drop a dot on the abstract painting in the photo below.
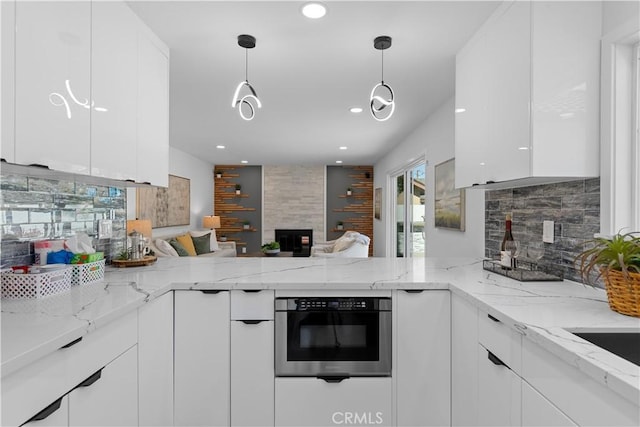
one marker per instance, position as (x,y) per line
(165,207)
(449,202)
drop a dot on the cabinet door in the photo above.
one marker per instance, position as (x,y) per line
(314,402)
(7,75)
(55,415)
(155,362)
(52,84)
(114,86)
(422,360)
(499,392)
(464,362)
(252,373)
(471,114)
(153,110)
(111,399)
(538,411)
(201,378)
(509,60)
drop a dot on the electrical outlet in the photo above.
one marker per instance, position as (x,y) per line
(244,250)
(105,229)
(547,231)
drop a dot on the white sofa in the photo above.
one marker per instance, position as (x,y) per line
(220,249)
(350,245)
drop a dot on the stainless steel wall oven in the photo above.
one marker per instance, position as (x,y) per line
(333,338)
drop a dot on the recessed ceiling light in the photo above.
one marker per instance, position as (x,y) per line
(220,147)
(338,161)
(314,10)
(523,148)
(460,110)
(244,162)
(355,110)
(343,147)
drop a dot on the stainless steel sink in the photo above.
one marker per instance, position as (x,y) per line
(622,344)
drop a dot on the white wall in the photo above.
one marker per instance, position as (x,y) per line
(616,13)
(434,139)
(201,175)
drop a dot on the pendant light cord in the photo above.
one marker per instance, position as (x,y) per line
(246,64)
(382,65)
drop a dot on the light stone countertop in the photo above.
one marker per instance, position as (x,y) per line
(540,311)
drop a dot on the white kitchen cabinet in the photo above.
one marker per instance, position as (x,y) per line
(54,415)
(315,402)
(153,110)
(464,362)
(499,391)
(7,75)
(201,358)
(536,120)
(52,85)
(422,334)
(537,411)
(109,397)
(252,372)
(114,85)
(155,362)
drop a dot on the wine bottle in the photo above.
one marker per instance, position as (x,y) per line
(505,256)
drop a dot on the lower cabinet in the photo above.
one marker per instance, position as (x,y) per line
(464,362)
(109,397)
(201,358)
(499,391)
(538,411)
(315,402)
(422,358)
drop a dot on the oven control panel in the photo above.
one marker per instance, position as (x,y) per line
(329,304)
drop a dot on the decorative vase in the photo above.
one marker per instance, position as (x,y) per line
(271,252)
(238,192)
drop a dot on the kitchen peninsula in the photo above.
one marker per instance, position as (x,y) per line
(538,315)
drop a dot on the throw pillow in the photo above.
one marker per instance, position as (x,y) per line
(343,243)
(202,244)
(164,248)
(178,247)
(214,242)
(186,241)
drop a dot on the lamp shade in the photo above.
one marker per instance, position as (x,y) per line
(211,221)
(141,226)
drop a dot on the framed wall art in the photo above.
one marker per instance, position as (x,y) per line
(449,201)
(377,203)
(165,207)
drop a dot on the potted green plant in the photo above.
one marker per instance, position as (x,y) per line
(218,174)
(339,225)
(349,191)
(246,224)
(271,248)
(223,238)
(238,188)
(617,262)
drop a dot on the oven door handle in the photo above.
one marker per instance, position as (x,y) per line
(333,378)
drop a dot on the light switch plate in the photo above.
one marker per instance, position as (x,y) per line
(105,230)
(547,231)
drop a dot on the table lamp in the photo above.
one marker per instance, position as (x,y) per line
(211,222)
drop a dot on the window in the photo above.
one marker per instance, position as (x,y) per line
(408,215)
(620,152)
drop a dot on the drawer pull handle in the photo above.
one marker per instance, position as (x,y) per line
(333,378)
(495,360)
(74,342)
(46,411)
(413,291)
(493,318)
(92,379)
(252,322)
(210,291)
(251,290)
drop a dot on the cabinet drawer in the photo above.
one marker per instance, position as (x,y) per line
(252,305)
(34,387)
(501,340)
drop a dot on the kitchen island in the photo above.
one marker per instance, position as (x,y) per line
(540,312)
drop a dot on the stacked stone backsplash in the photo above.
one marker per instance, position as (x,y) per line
(574,207)
(34,209)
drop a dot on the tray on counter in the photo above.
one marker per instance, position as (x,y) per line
(526,271)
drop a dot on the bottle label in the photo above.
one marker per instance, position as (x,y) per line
(505,259)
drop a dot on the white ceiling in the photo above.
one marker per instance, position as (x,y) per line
(307,73)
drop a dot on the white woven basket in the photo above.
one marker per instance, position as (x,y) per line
(85,274)
(36,285)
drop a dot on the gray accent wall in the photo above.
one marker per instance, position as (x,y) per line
(34,208)
(293,199)
(573,206)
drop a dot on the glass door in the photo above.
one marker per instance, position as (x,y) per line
(409,212)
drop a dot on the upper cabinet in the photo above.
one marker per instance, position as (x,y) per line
(527,103)
(91,90)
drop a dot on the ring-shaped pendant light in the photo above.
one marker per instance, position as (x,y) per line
(382,100)
(250,100)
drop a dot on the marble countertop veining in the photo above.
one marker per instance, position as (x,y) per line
(541,311)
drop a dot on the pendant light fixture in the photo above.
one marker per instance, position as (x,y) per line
(381,101)
(248,103)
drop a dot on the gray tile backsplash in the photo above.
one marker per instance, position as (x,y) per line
(574,207)
(34,209)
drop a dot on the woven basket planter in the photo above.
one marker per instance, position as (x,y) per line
(623,292)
